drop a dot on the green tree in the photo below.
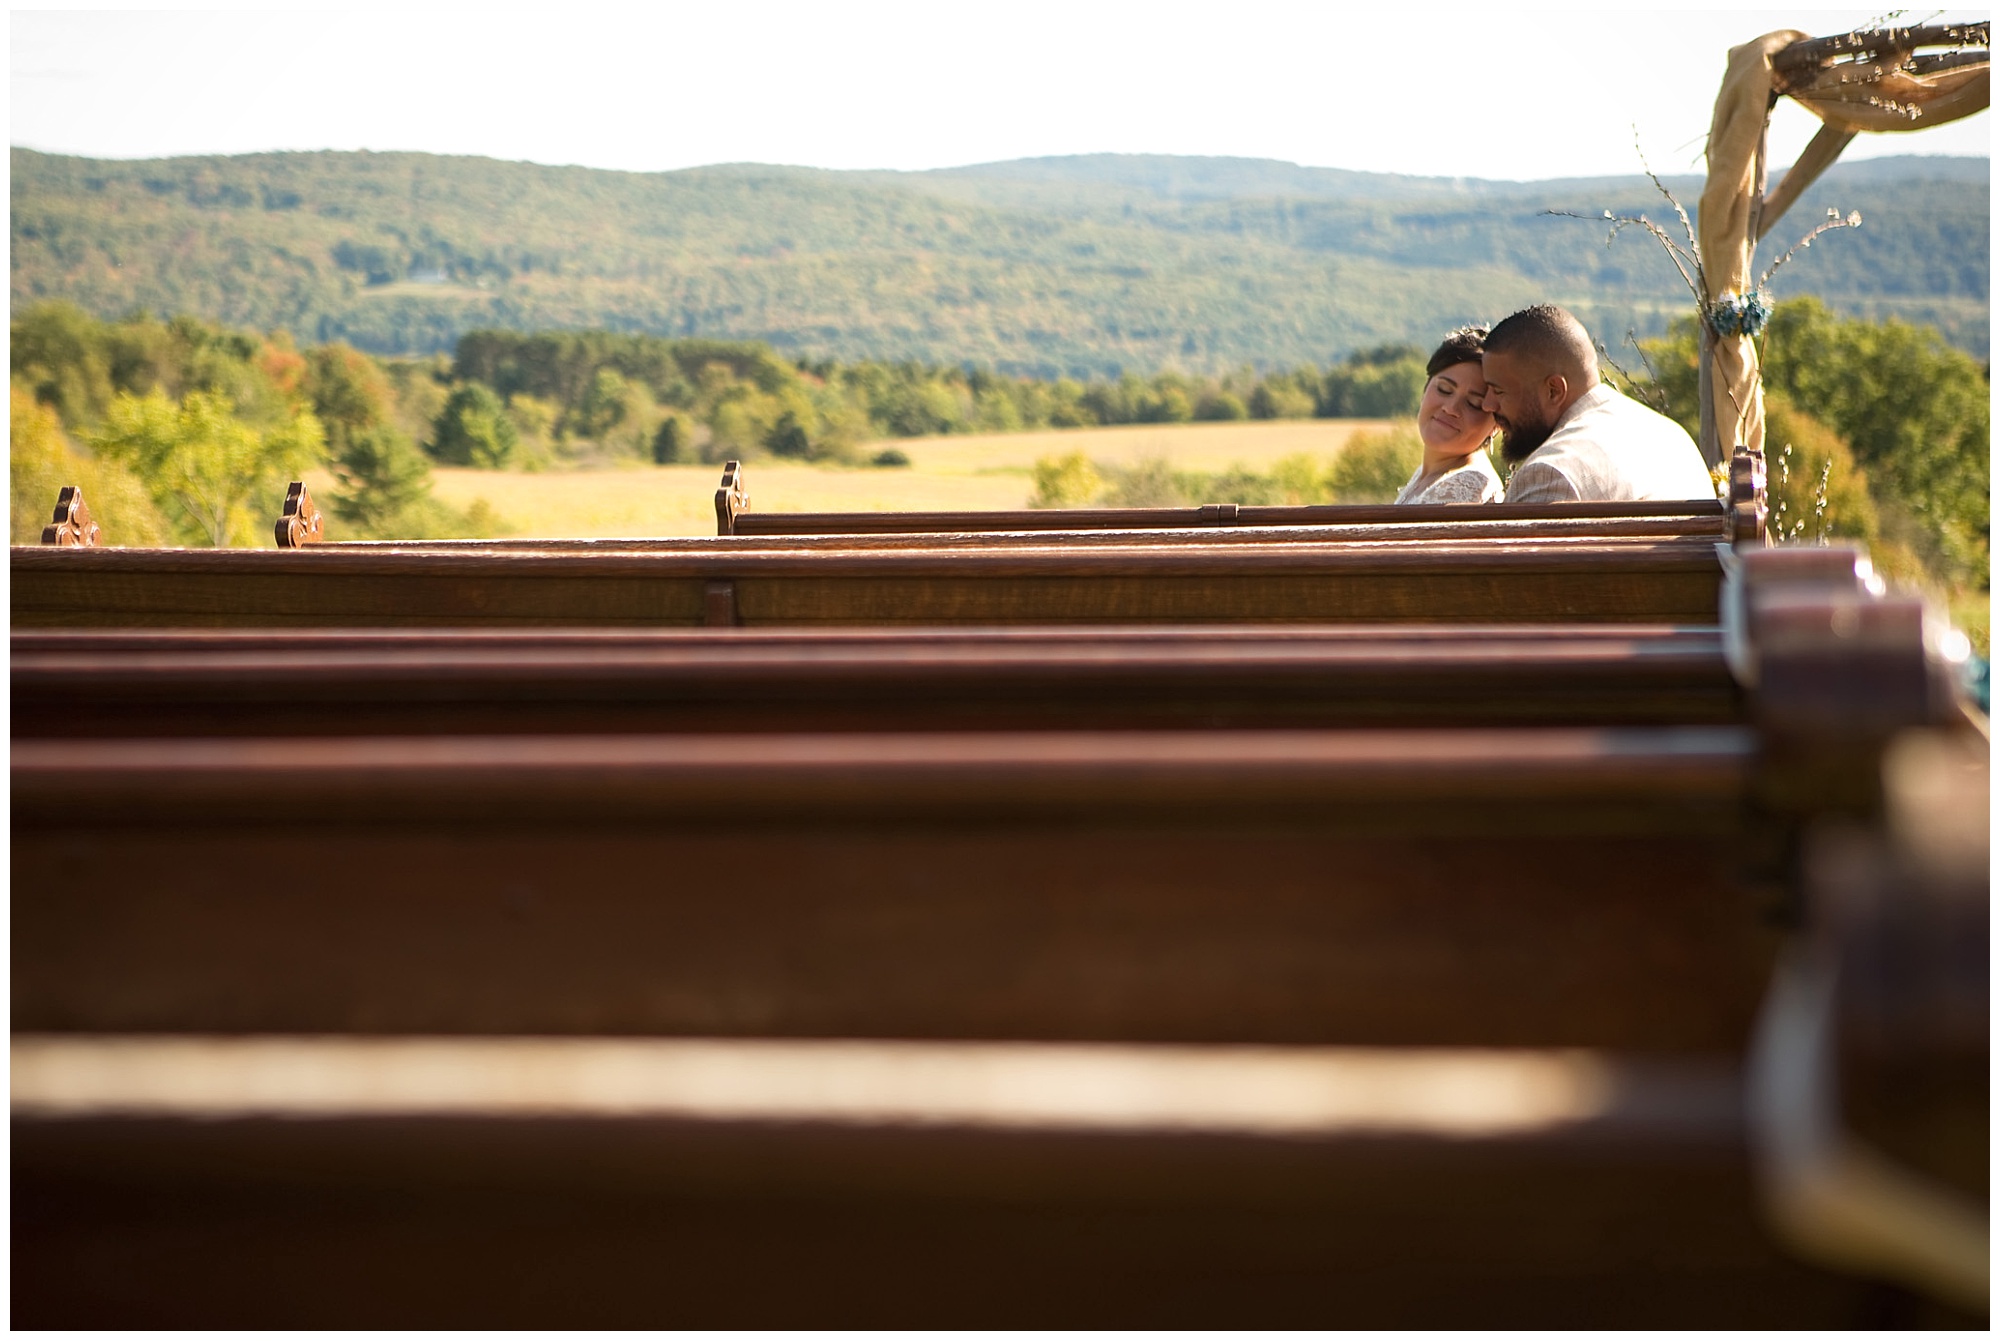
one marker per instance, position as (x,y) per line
(218,479)
(56,351)
(473,429)
(603,404)
(741,422)
(383,478)
(1222,405)
(788,438)
(1914,412)
(672,442)
(1280,399)
(1917,414)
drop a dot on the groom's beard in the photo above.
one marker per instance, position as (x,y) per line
(1518,441)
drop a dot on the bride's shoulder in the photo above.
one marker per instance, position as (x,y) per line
(1468,484)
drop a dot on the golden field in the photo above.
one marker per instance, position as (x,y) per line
(969,472)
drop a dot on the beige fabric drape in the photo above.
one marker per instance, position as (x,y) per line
(1939,98)
(1727,206)
(1729,214)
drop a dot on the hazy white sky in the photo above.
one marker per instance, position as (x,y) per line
(1455,90)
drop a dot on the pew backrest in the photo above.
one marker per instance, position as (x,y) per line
(1633,580)
(1741,516)
(448,681)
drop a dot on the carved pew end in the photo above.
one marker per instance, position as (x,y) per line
(1749,499)
(730,499)
(300,523)
(72,527)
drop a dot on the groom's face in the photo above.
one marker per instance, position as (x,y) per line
(1517,401)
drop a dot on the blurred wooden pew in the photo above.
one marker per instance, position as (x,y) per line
(997,1184)
(1397,1026)
(1379,886)
(78,683)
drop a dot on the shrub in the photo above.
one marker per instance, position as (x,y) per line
(1374,467)
(890,456)
(1299,479)
(1148,483)
(1064,482)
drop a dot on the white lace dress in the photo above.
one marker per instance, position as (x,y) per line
(1474,482)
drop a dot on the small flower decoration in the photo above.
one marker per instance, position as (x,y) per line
(1744,314)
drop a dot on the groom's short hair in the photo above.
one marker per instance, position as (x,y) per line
(1548,339)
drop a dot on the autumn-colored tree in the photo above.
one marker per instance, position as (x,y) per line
(280,361)
(348,392)
(41,459)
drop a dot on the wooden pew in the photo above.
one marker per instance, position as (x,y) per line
(474,681)
(893,836)
(1274,886)
(1742,517)
(239,1195)
(1741,520)
(1474,527)
(1354,904)
(1634,580)
(363,1179)
(1558,1190)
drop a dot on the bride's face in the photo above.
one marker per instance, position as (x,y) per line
(1450,418)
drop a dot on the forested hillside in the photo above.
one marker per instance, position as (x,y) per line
(1087,266)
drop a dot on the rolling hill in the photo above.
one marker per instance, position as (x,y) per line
(1087,265)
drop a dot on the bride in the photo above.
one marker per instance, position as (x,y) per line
(1454,427)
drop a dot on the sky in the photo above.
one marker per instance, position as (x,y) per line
(1440,90)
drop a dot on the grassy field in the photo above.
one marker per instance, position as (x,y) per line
(972,472)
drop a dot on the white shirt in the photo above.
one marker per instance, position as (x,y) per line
(1474,482)
(1608,447)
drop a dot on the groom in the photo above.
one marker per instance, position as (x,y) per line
(1572,438)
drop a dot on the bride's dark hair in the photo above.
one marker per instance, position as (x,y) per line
(1463,345)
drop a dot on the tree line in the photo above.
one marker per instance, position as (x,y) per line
(1877,430)
(205,418)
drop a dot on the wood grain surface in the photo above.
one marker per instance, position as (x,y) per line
(751,523)
(1673,581)
(1479,888)
(470,682)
